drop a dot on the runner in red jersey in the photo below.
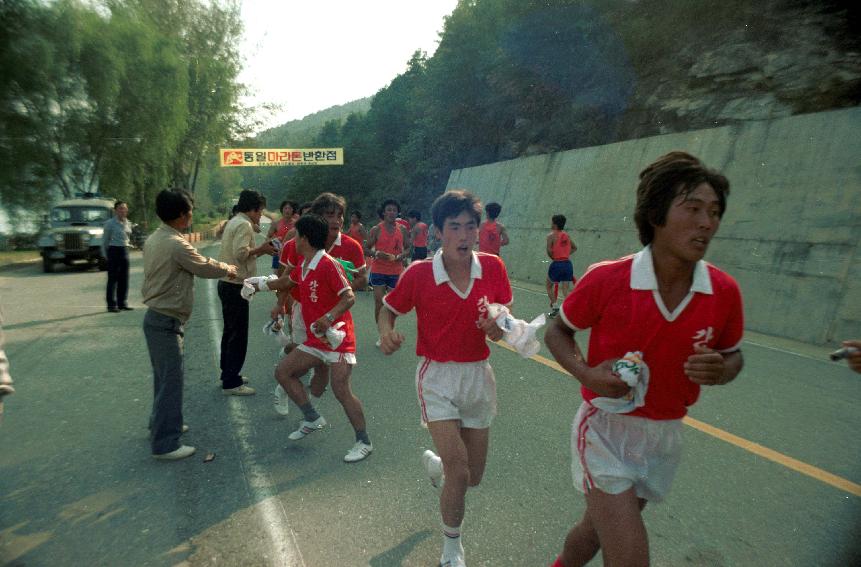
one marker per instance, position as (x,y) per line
(278,230)
(684,320)
(388,244)
(356,230)
(419,235)
(455,384)
(491,234)
(341,247)
(326,298)
(560,273)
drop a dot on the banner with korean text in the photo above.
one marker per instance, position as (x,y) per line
(255,157)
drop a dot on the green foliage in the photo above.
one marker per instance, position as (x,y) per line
(121,96)
(513,78)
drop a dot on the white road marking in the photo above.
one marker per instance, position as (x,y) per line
(282,539)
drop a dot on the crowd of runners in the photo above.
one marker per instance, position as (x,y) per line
(663,324)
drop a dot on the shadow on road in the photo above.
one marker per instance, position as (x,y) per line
(29,324)
(34,269)
(396,555)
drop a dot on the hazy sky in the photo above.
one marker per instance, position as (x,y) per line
(307,56)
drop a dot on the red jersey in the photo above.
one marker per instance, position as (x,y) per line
(619,301)
(448,318)
(284,226)
(489,239)
(403,222)
(421,235)
(391,243)
(343,248)
(355,232)
(561,248)
(320,286)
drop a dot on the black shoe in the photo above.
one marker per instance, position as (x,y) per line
(114,309)
(127,308)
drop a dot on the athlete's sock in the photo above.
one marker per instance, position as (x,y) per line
(309,412)
(362,435)
(451,545)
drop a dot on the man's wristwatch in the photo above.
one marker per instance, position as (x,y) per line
(330,318)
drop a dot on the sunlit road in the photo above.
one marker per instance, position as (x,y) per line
(78,485)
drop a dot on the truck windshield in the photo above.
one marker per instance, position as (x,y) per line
(80,214)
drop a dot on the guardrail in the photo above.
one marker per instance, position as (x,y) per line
(200,236)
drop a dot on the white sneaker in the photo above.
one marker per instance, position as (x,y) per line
(282,401)
(242,390)
(456,561)
(433,467)
(307,428)
(378,343)
(180,453)
(359,451)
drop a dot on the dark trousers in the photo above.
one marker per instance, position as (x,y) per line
(118,276)
(164,337)
(234,338)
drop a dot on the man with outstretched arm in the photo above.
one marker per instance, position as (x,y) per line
(170,264)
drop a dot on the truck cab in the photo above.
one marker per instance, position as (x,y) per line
(75,233)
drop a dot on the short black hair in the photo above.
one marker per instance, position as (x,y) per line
(452,203)
(358,214)
(118,204)
(385,204)
(676,173)
(414,215)
(325,202)
(559,221)
(250,200)
(170,204)
(493,210)
(293,205)
(314,228)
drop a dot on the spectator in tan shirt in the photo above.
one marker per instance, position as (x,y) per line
(237,248)
(170,264)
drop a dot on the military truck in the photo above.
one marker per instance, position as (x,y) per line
(75,233)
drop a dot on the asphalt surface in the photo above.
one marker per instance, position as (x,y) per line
(78,485)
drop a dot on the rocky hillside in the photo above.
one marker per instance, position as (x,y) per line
(768,60)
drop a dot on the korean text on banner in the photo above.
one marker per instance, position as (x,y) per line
(254,157)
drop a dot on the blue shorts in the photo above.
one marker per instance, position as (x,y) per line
(383,280)
(561,271)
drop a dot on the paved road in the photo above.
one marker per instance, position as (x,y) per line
(78,487)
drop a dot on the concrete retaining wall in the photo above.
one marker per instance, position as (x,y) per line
(790,235)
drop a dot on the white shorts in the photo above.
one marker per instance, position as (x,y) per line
(465,391)
(613,452)
(329,356)
(300,335)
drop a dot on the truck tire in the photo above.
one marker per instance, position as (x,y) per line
(103,264)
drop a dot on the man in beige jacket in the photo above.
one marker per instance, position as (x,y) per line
(170,264)
(237,248)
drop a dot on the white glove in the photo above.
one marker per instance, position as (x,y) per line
(519,334)
(334,335)
(250,286)
(260,282)
(275,328)
(634,371)
(247,292)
